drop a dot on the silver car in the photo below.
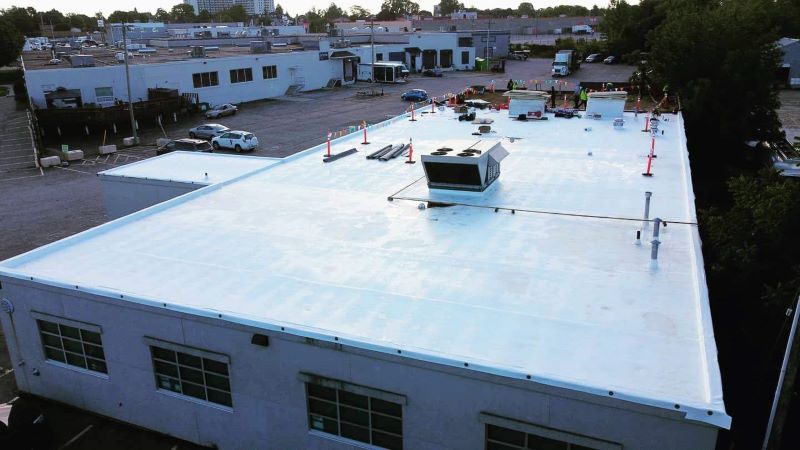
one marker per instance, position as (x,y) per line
(207,131)
(221,111)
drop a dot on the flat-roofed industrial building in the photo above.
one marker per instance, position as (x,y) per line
(363,303)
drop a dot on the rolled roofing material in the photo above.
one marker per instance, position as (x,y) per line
(611,95)
(527,95)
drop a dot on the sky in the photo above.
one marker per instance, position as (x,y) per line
(89,7)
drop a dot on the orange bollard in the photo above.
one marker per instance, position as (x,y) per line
(364,125)
(410,152)
(646,123)
(412,114)
(433,106)
(329,144)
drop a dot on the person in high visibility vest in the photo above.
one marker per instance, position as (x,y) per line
(584,98)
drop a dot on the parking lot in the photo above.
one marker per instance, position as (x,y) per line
(42,207)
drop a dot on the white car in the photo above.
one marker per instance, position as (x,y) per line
(237,140)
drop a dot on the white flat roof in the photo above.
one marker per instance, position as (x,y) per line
(556,290)
(191,167)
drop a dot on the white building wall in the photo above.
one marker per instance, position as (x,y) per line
(123,195)
(269,404)
(303,68)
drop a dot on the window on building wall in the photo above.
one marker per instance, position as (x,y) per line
(205,79)
(464,57)
(355,412)
(72,343)
(191,372)
(269,72)
(241,75)
(379,56)
(104,94)
(509,434)
(465,42)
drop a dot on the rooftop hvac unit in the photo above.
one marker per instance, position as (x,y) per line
(530,104)
(198,51)
(341,43)
(260,47)
(473,168)
(81,60)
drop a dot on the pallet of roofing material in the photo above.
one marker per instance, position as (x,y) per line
(377,154)
(610,104)
(532,104)
(333,158)
(396,151)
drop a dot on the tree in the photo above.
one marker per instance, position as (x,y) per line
(450,6)
(333,12)
(279,11)
(392,9)
(182,13)
(25,20)
(526,9)
(357,12)
(161,15)
(10,43)
(204,16)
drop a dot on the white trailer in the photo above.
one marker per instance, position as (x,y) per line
(383,72)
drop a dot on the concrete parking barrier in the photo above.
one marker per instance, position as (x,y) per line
(50,161)
(107,149)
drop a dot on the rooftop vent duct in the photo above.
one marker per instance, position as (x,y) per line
(464,169)
(198,51)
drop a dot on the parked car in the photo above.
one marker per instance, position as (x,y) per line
(415,95)
(54,61)
(187,145)
(223,110)
(237,140)
(435,72)
(519,55)
(594,57)
(207,131)
(610,60)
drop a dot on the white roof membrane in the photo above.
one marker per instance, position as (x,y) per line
(557,290)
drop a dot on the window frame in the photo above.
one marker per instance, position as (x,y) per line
(243,75)
(465,57)
(272,70)
(368,409)
(569,439)
(81,327)
(180,378)
(213,79)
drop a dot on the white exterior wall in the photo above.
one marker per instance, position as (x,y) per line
(293,68)
(303,68)
(123,195)
(269,404)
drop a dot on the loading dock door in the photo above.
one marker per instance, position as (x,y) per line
(445,58)
(428,59)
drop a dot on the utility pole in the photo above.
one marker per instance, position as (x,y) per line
(128,80)
(372,43)
(488,27)
(783,392)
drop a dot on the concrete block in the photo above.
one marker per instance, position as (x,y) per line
(162,141)
(74,155)
(50,161)
(128,141)
(107,149)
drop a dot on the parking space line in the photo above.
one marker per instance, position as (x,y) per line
(76,437)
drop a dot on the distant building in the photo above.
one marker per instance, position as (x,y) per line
(252,7)
(463,15)
(790,67)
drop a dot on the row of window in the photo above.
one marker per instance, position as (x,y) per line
(208,79)
(354,412)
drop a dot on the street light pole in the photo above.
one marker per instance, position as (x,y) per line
(372,43)
(128,80)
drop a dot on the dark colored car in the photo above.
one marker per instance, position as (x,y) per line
(415,95)
(186,145)
(436,72)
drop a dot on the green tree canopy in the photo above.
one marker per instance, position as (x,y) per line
(357,12)
(182,12)
(448,6)
(10,42)
(393,9)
